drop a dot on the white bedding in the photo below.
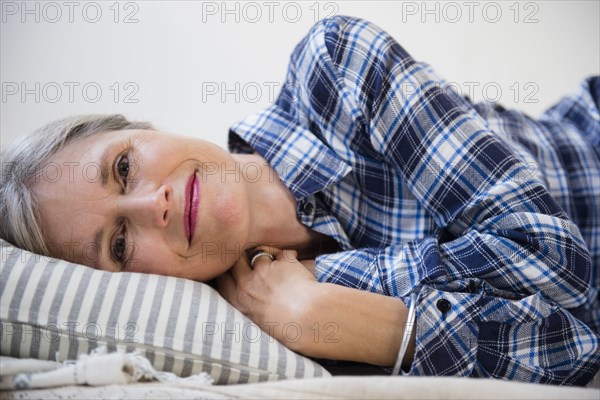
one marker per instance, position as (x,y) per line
(99,368)
(123,371)
(346,387)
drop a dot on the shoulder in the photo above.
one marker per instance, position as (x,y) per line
(344,26)
(341,32)
(344,45)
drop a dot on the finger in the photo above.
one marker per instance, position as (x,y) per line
(241,268)
(288,255)
(269,249)
(260,258)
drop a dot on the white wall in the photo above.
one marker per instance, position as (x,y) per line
(178,48)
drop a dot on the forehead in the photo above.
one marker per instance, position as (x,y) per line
(79,164)
(72,203)
(88,147)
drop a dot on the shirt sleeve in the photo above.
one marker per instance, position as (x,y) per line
(496,284)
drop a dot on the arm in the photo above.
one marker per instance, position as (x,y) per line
(279,293)
(371,333)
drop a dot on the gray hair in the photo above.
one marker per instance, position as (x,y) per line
(24,159)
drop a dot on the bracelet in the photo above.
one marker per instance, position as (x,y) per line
(407,333)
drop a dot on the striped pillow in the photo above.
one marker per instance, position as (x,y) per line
(54,310)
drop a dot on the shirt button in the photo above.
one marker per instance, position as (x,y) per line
(308,208)
(472,288)
(443,305)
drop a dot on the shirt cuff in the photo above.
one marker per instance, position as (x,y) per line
(447,333)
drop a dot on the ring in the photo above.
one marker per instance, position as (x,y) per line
(258,254)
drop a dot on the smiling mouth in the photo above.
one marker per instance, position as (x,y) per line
(192,197)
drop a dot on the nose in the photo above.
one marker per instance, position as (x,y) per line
(152,207)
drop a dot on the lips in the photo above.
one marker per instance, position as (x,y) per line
(192,202)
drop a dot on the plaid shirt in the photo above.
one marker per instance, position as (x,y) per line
(490,217)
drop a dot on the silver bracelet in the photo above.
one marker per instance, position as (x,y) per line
(407,333)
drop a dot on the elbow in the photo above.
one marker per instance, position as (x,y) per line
(561,259)
(572,267)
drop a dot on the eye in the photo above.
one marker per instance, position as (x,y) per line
(123,167)
(119,249)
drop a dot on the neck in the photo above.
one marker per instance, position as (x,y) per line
(273,218)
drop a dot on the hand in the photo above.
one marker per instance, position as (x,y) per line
(274,293)
(337,322)
(309,265)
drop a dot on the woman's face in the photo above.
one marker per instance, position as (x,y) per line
(126,201)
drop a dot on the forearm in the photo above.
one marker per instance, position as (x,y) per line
(354,325)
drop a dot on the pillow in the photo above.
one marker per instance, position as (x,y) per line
(55,310)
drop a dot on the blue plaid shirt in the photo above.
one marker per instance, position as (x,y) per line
(490,217)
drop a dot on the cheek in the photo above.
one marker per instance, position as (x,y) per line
(154,257)
(230,207)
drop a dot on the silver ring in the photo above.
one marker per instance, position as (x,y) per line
(258,254)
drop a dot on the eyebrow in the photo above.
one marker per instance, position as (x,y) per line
(98,241)
(105,166)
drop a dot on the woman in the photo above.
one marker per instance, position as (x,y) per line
(414,228)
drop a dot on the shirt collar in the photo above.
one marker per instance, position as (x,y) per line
(303,162)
